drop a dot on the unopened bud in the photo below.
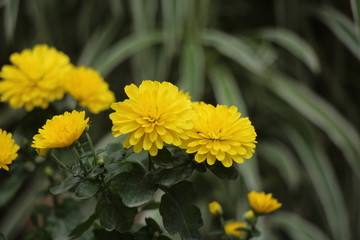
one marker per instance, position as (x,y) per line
(249,216)
(49,171)
(215,208)
(100,161)
(43,151)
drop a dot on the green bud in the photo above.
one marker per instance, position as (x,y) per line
(100,161)
(49,171)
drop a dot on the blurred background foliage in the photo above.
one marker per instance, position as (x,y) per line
(292,66)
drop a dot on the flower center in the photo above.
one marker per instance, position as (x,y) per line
(151,120)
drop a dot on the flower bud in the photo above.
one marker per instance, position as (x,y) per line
(215,208)
(249,216)
(43,152)
(49,171)
(100,161)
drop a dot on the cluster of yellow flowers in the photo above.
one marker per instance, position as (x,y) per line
(41,75)
(260,204)
(158,113)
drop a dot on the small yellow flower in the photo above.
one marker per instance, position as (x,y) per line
(263,203)
(35,78)
(215,208)
(231,228)
(61,131)
(89,89)
(8,149)
(155,113)
(220,134)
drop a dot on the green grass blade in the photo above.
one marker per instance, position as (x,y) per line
(295,45)
(322,114)
(296,227)
(323,178)
(192,71)
(355,7)
(10,19)
(123,49)
(235,49)
(228,93)
(342,27)
(281,158)
(98,42)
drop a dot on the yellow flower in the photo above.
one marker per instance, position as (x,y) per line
(155,113)
(89,89)
(263,203)
(35,78)
(232,226)
(215,208)
(8,149)
(61,131)
(219,133)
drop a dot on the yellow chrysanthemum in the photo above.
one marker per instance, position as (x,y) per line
(231,228)
(215,208)
(35,78)
(155,113)
(61,131)
(8,149)
(89,89)
(219,133)
(263,203)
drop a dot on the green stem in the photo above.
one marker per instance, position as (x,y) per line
(83,167)
(57,160)
(80,147)
(90,144)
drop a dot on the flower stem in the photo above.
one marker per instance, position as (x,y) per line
(90,144)
(57,160)
(83,167)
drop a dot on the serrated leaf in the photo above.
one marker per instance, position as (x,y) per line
(114,152)
(168,177)
(163,159)
(113,214)
(138,193)
(179,214)
(87,189)
(82,227)
(65,185)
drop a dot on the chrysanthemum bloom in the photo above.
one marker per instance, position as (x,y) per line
(8,149)
(219,133)
(155,113)
(263,203)
(61,131)
(35,78)
(231,228)
(89,89)
(215,208)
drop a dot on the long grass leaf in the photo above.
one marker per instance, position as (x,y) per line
(294,44)
(10,19)
(192,71)
(123,49)
(322,114)
(281,158)
(355,7)
(296,227)
(323,178)
(342,27)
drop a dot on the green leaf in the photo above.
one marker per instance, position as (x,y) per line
(114,152)
(342,27)
(323,178)
(113,214)
(168,177)
(10,185)
(355,7)
(149,231)
(87,189)
(178,213)
(294,44)
(65,185)
(112,235)
(224,173)
(140,193)
(123,49)
(2,237)
(296,227)
(192,71)
(10,19)
(82,227)
(163,159)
